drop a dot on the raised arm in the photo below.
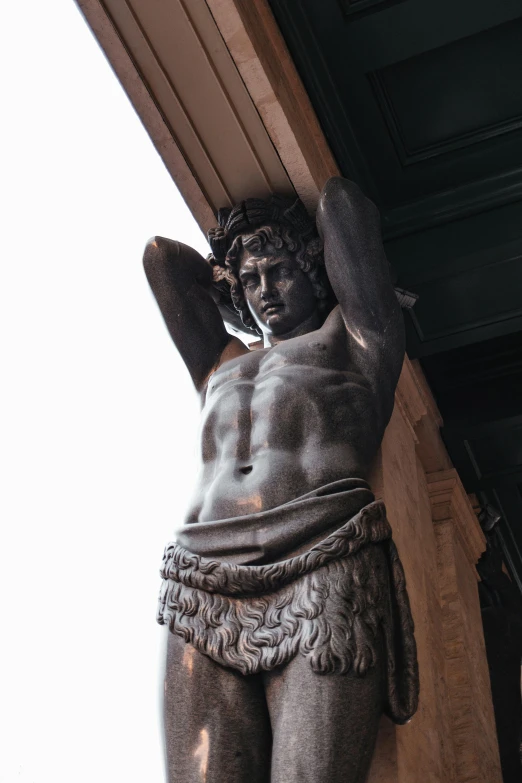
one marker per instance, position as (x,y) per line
(359,274)
(181,280)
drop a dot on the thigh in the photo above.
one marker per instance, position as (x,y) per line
(324,725)
(216,721)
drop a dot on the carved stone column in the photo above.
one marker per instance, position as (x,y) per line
(452,738)
(460,542)
(421,750)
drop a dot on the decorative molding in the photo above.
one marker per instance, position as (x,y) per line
(409,216)
(426,393)
(262,58)
(414,396)
(150,114)
(263,135)
(409,157)
(454,204)
(320,86)
(355,9)
(468,278)
(449,501)
(475,334)
(465,671)
(176,56)
(409,397)
(415,402)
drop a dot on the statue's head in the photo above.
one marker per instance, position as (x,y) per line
(268,261)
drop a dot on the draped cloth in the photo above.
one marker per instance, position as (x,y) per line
(319,576)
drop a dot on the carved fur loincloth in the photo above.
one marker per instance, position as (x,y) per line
(340,603)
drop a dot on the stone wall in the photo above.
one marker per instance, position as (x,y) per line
(452,738)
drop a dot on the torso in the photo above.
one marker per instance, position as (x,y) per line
(280,422)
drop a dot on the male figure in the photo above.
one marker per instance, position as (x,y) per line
(280,591)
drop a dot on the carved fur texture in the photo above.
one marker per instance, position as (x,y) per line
(342,604)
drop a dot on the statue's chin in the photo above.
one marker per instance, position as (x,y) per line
(277,323)
(275,319)
(271,323)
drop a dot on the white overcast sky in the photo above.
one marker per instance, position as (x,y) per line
(98,415)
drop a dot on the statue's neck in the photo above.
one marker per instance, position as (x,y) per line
(312,323)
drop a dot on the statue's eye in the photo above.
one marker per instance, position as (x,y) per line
(284,271)
(250,281)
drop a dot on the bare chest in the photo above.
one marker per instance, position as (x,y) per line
(301,390)
(303,360)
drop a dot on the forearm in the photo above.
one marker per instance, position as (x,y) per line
(181,280)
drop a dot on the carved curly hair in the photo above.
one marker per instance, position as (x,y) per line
(307,253)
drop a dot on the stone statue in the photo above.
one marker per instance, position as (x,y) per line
(291,627)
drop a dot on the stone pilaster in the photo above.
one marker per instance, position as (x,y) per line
(460,542)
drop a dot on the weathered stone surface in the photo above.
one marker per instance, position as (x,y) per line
(452,738)
(459,539)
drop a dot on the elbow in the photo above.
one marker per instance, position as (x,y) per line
(341,189)
(338,202)
(165,259)
(343,203)
(152,253)
(156,262)
(157,253)
(153,250)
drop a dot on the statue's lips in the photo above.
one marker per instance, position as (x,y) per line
(272,308)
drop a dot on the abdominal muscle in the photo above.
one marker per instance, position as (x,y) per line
(271,439)
(273,478)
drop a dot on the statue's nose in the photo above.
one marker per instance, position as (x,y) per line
(266,289)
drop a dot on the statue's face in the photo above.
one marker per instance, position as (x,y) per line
(279,294)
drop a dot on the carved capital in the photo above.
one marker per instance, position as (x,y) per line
(409,396)
(414,398)
(449,502)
